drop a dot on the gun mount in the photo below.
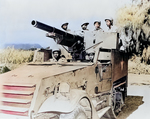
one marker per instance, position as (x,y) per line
(74,42)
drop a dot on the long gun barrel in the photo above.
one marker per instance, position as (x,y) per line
(66,39)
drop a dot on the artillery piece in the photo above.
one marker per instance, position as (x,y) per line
(74,42)
(69,90)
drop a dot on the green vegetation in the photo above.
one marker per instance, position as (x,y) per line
(12,58)
(134,22)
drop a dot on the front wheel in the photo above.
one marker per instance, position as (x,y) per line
(82,111)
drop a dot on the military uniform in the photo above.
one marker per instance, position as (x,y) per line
(98,28)
(112,29)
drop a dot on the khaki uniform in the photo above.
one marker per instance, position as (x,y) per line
(99,29)
(113,29)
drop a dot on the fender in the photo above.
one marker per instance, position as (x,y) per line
(54,104)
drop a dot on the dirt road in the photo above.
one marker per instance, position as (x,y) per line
(138,100)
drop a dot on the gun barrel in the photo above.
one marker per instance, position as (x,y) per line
(47,28)
(68,39)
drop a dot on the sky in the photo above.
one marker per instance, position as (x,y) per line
(16,17)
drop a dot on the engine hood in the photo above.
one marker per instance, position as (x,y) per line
(34,72)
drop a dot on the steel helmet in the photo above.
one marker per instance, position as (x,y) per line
(85,23)
(97,22)
(57,50)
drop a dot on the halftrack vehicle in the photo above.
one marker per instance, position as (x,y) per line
(77,89)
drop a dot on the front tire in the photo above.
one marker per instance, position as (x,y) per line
(82,111)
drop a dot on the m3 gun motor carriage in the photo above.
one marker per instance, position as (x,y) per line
(78,89)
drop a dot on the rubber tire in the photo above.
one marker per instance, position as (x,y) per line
(78,113)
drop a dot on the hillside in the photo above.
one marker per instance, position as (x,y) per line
(22,46)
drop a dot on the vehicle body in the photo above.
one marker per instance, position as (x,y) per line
(79,89)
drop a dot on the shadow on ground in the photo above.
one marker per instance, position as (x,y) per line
(131,104)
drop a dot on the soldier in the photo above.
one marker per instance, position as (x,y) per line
(65,27)
(91,56)
(109,23)
(84,26)
(97,25)
(57,56)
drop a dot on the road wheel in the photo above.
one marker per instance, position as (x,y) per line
(112,103)
(116,101)
(113,99)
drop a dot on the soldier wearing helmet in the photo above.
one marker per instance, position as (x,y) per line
(57,56)
(84,29)
(109,23)
(84,26)
(97,25)
(90,56)
(64,26)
